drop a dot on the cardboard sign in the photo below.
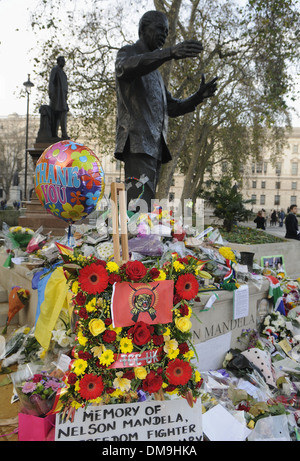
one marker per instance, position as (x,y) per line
(139,421)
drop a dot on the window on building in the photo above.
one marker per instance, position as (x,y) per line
(259,167)
(295,149)
(294,185)
(253,168)
(173,182)
(253,198)
(253,184)
(278,168)
(171,196)
(1,193)
(293,199)
(294,168)
(263,184)
(262,199)
(277,185)
(265,167)
(277,200)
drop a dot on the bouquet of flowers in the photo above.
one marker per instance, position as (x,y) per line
(37,393)
(277,327)
(130,363)
(19,236)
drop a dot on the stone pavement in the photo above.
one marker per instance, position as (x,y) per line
(273,230)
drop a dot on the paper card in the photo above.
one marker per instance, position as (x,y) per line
(241,302)
(211,353)
(220,426)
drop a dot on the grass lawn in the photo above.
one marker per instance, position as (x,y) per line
(248,236)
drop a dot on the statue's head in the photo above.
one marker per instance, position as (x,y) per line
(61,61)
(153,29)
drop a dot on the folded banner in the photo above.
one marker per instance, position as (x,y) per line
(148,302)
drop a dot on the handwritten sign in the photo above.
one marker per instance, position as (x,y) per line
(140,421)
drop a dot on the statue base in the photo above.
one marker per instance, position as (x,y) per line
(35,214)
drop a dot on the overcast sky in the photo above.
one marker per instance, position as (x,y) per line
(16,41)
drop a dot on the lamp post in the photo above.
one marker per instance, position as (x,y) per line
(28,85)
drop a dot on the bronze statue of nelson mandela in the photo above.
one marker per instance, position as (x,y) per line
(144,104)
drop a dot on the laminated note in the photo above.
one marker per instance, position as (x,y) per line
(241,302)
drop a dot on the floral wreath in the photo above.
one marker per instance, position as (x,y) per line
(92,378)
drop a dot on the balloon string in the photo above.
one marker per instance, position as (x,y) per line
(69,235)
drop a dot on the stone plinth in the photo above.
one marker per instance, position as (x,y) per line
(35,214)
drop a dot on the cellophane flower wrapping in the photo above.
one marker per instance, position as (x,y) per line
(36,390)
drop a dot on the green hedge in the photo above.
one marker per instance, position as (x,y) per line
(10,217)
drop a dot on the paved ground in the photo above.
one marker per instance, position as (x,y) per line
(274,230)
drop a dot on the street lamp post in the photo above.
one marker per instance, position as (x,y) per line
(28,85)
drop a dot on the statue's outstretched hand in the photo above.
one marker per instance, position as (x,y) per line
(186,49)
(206,90)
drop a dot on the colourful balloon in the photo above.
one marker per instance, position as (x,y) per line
(69,181)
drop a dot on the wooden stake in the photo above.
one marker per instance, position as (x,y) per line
(118,192)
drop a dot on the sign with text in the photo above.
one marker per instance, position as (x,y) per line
(139,421)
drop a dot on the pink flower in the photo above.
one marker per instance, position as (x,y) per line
(28,388)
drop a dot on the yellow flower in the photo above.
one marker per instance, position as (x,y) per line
(140,372)
(107,357)
(75,287)
(227,253)
(79,366)
(167,332)
(197,376)
(183,324)
(178,266)
(172,353)
(98,350)
(170,344)
(126,345)
(75,404)
(91,305)
(162,275)
(81,339)
(123,384)
(189,355)
(112,267)
(96,326)
(117,329)
(251,424)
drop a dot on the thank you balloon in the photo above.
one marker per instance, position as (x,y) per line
(69,180)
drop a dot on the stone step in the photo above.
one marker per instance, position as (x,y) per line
(3,316)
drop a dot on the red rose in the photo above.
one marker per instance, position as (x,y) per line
(72,378)
(114,278)
(129,374)
(152,382)
(84,355)
(184,310)
(100,262)
(135,270)
(37,378)
(158,340)
(141,334)
(80,298)
(109,336)
(183,348)
(154,273)
(83,313)
(108,322)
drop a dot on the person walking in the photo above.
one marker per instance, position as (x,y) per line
(260,221)
(281,217)
(273,218)
(291,224)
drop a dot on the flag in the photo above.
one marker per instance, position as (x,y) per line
(230,274)
(151,303)
(64,250)
(275,292)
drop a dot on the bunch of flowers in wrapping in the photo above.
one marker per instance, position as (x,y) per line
(19,236)
(93,377)
(37,393)
(277,327)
